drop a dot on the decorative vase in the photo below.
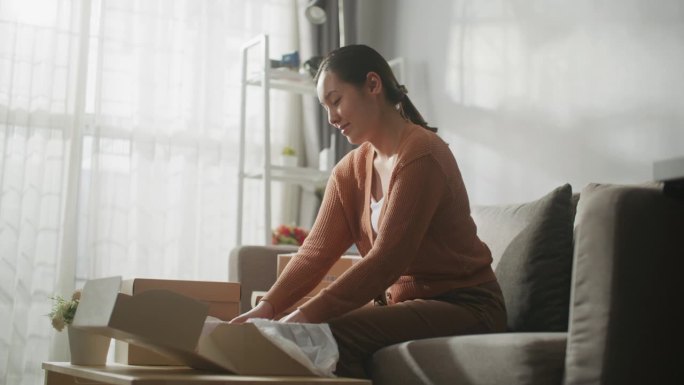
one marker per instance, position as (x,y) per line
(87,348)
(289,160)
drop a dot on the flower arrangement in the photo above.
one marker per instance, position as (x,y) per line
(288,235)
(63,311)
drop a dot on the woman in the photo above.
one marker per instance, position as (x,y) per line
(400,198)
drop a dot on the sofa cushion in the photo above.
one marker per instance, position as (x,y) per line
(507,358)
(531,244)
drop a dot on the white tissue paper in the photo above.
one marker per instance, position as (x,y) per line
(312,345)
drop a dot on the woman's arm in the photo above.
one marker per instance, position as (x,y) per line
(329,238)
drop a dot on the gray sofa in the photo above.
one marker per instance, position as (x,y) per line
(591,283)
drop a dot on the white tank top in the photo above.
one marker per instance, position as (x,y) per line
(375,212)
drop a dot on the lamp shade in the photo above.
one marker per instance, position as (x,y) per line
(315,14)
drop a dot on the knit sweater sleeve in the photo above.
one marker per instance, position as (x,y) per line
(328,239)
(414,194)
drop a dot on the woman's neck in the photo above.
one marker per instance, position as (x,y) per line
(390,133)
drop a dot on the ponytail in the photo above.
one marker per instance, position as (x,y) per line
(410,112)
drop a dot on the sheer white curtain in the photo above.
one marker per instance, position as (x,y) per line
(40,63)
(118,149)
(160,153)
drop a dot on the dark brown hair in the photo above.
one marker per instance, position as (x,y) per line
(352,63)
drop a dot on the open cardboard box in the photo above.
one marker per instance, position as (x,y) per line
(171,324)
(223,299)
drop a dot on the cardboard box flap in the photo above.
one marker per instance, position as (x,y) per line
(248,352)
(156,317)
(223,299)
(97,302)
(174,319)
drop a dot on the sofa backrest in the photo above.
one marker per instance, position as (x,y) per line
(255,268)
(625,326)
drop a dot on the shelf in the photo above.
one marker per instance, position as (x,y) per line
(286,80)
(294,175)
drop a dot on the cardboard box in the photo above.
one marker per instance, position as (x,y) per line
(172,324)
(342,264)
(223,299)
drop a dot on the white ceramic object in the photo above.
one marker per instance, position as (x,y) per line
(289,160)
(87,348)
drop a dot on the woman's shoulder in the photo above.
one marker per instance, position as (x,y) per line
(430,153)
(353,163)
(421,142)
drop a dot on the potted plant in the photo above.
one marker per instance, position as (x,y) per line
(63,311)
(289,156)
(86,348)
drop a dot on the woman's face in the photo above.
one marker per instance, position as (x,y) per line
(351,109)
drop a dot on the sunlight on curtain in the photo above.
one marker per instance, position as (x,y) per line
(160,155)
(38,75)
(158,123)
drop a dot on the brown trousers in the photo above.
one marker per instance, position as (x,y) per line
(362,332)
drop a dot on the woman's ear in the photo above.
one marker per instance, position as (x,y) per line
(373,83)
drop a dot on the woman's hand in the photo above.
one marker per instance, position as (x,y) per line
(296,317)
(263,310)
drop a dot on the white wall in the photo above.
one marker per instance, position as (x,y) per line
(533,94)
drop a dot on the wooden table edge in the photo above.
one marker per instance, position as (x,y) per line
(166,373)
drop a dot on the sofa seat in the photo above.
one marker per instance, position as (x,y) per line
(505,358)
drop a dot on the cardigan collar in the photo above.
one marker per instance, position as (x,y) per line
(366,217)
(404,153)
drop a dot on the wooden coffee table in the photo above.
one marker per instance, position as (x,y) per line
(63,373)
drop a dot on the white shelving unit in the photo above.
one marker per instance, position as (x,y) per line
(268,79)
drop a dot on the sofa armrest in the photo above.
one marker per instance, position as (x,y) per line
(625,326)
(254,267)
